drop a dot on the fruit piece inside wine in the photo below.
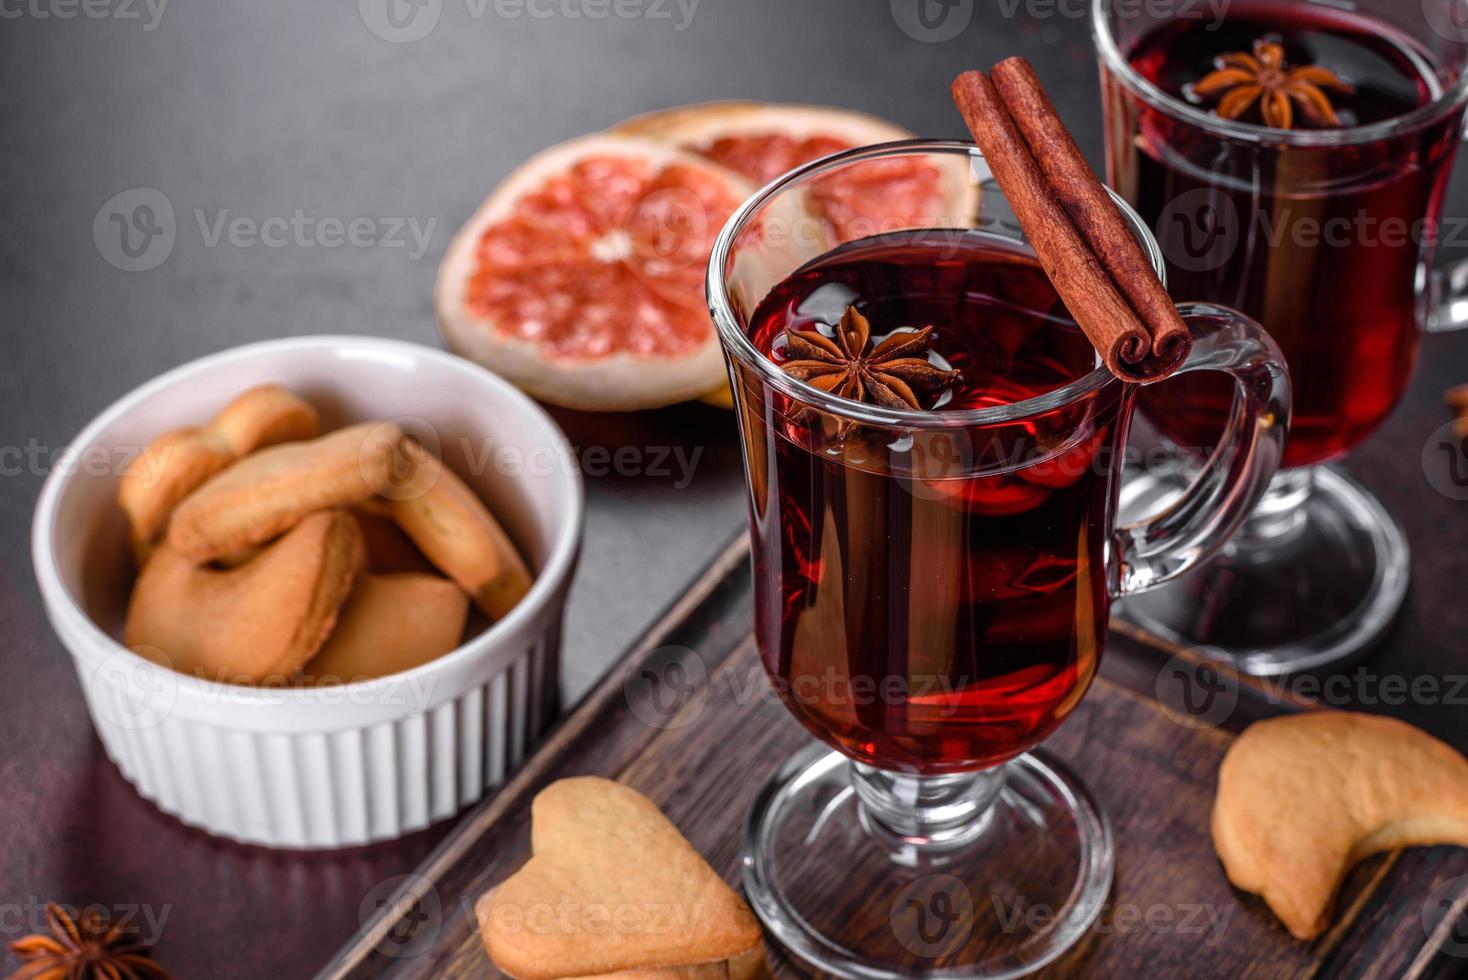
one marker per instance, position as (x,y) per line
(934,601)
(1320,244)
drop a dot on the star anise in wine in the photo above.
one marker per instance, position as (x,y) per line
(1243,79)
(894,374)
(89,947)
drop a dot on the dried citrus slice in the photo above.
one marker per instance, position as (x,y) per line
(580,278)
(764,140)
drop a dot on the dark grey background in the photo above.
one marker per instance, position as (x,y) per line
(258,110)
(261,108)
(255,110)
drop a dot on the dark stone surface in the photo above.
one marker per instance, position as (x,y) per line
(266,109)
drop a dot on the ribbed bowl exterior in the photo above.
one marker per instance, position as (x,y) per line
(333,788)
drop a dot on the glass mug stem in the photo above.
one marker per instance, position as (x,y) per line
(927,811)
(1281,515)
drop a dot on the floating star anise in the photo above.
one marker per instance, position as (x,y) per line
(896,374)
(1243,79)
(89,947)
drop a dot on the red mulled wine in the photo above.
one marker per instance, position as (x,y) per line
(942,594)
(1322,244)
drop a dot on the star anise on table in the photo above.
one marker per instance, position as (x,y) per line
(894,374)
(89,947)
(1243,79)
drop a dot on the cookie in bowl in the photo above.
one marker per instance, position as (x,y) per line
(257,738)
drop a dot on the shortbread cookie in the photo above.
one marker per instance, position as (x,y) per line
(641,898)
(264,416)
(749,965)
(391,623)
(451,525)
(160,476)
(389,549)
(1302,798)
(257,623)
(177,462)
(268,492)
(702,971)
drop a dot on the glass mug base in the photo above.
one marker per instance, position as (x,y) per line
(1016,867)
(1312,584)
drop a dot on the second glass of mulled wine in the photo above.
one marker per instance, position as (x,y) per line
(1291,158)
(933,454)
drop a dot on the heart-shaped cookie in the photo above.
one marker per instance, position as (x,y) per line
(177,462)
(450,524)
(268,492)
(1302,798)
(391,623)
(612,886)
(257,623)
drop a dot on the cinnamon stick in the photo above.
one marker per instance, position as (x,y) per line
(1092,209)
(1097,301)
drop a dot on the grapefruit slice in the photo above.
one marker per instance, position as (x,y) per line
(580,278)
(764,140)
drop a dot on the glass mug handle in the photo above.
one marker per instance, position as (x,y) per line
(1447,290)
(1447,298)
(1197,524)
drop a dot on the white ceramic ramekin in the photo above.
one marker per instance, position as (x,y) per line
(330,766)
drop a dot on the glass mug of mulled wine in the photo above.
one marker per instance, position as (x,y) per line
(935,549)
(1291,159)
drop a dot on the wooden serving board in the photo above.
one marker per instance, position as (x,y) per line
(1150,757)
